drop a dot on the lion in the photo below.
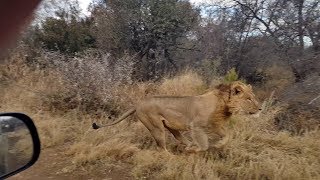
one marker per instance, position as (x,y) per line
(200,115)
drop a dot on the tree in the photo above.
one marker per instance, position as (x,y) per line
(287,22)
(312,23)
(149,28)
(65,31)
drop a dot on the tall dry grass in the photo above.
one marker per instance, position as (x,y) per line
(257,150)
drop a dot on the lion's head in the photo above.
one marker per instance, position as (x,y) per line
(241,99)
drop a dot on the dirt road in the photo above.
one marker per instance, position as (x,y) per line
(53,164)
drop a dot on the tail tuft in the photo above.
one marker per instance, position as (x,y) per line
(95,126)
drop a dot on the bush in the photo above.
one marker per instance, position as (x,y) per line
(185,84)
(278,77)
(231,76)
(302,111)
(298,118)
(209,69)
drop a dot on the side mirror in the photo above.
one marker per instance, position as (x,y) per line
(19,143)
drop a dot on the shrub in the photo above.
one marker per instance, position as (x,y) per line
(209,69)
(278,77)
(298,118)
(186,84)
(231,76)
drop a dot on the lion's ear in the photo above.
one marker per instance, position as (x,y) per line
(236,90)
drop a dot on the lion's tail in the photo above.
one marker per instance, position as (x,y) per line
(121,118)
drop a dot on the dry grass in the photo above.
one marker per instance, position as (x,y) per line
(256,151)
(185,84)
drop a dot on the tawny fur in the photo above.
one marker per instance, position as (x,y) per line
(201,115)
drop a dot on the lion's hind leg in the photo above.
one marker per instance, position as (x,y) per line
(160,137)
(155,127)
(178,136)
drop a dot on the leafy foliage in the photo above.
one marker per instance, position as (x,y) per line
(65,32)
(152,29)
(231,76)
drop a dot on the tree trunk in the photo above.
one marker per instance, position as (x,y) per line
(300,24)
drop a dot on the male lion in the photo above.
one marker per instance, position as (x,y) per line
(200,114)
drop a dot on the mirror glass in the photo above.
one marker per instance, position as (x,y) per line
(16,145)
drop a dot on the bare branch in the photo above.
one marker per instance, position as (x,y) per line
(314,99)
(255,15)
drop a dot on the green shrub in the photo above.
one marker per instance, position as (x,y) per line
(231,76)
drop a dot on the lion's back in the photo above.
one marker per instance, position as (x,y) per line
(160,103)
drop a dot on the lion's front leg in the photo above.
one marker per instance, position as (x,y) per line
(224,135)
(200,140)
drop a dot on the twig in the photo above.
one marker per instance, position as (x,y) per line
(267,103)
(314,99)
